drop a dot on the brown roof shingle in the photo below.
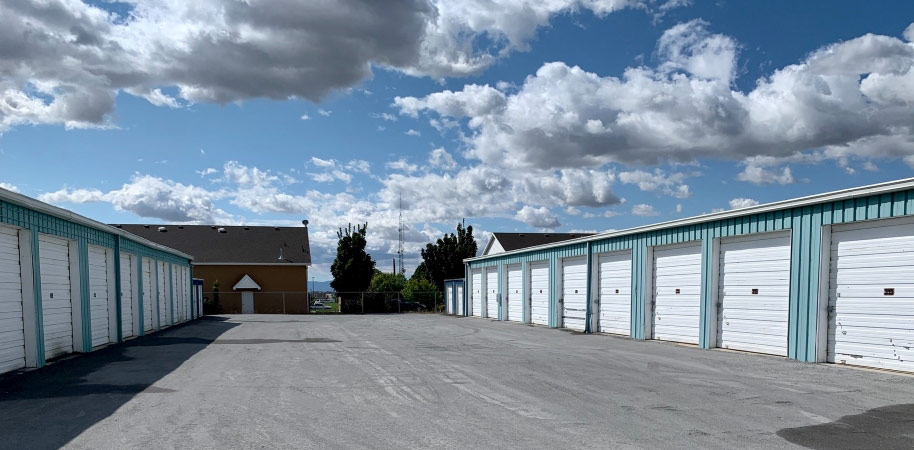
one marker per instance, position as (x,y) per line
(239,244)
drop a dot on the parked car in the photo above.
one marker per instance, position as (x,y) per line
(319,305)
(405,306)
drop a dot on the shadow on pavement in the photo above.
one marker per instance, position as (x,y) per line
(888,427)
(48,407)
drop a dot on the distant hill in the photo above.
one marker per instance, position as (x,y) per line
(320,286)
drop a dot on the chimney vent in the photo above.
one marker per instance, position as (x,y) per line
(221,230)
(163,229)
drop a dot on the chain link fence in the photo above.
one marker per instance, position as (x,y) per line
(253,302)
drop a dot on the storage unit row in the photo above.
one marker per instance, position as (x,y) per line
(823,278)
(69,284)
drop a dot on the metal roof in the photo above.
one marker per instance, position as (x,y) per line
(844,194)
(37,205)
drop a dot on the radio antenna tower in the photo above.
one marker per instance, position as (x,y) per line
(400,238)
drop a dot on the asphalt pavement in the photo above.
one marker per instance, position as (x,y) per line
(425,381)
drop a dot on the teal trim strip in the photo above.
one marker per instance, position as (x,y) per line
(84,300)
(39,310)
(706,309)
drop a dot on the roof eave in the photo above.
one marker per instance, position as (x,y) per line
(28,202)
(863,191)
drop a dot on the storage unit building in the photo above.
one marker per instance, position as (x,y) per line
(828,277)
(68,283)
(453,295)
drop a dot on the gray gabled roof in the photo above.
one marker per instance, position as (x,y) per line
(237,245)
(517,241)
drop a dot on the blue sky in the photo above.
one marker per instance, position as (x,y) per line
(513,115)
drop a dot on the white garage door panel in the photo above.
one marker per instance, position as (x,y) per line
(677,315)
(615,293)
(459,300)
(867,327)
(574,293)
(127,271)
(163,295)
(449,293)
(492,293)
(539,293)
(476,294)
(515,293)
(98,295)
(12,340)
(55,279)
(148,295)
(754,322)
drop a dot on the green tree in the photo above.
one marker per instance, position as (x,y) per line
(420,290)
(421,272)
(444,259)
(387,282)
(353,267)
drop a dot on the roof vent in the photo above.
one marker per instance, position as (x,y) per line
(221,230)
(276,228)
(163,229)
(145,226)
(247,228)
(212,227)
(180,227)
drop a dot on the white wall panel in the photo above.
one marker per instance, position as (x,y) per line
(149,296)
(514,292)
(574,293)
(677,293)
(56,310)
(539,292)
(12,331)
(871,295)
(98,295)
(476,294)
(615,292)
(128,268)
(754,293)
(492,292)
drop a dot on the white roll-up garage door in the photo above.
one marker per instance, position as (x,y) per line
(175,302)
(449,299)
(492,292)
(127,270)
(539,293)
(149,299)
(514,291)
(98,295)
(754,293)
(574,293)
(615,299)
(871,295)
(56,310)
(12,338)
(476,294)
(459,300)
(677,293)
(164,317)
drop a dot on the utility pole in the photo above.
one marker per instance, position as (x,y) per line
(400,239)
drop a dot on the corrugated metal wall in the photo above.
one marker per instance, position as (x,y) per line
(40,222)
(806,225)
